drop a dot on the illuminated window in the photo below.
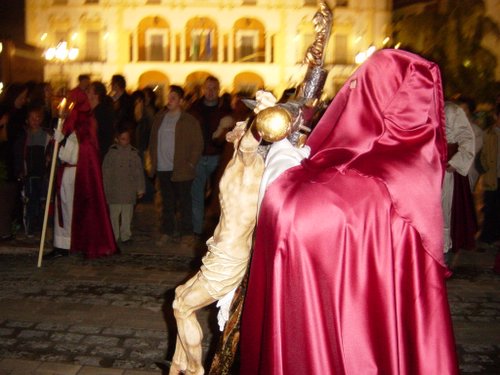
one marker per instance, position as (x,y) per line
(247,42)
(92,47)
(201,48)
(157,44)
(201,39)
(153,39)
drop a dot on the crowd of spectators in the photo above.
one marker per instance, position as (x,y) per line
(182,152)
(188,132)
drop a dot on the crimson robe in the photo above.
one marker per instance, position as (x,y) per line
(347,274)
(91,230)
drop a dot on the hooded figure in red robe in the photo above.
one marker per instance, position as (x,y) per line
(347,274)
(91,231)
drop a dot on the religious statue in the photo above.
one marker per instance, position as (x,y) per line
(226,262)
(228,250)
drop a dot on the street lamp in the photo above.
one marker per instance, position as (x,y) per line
(61,54)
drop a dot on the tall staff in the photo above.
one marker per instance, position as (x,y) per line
(60,122)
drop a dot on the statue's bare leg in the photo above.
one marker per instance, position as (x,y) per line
(179,361)
(231,243)
(189,298)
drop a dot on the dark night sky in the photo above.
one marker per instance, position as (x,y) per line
(12,19)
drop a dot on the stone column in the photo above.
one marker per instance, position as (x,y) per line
(230,46)
(220,47)
(173,56)
(135,46)
(268,51)
(183,46)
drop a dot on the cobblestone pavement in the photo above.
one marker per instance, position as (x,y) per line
(110,313)
(474,296)
(112,316)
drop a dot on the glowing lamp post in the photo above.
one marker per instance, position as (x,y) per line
(61,54)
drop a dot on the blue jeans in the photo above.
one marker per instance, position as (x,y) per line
(204,169)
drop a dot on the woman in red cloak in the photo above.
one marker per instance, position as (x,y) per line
(347,274)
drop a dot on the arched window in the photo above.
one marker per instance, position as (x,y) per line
(153,39)
(158,81)
(249,42)
(194,81)
(201,39)
(91,39)
(248,82)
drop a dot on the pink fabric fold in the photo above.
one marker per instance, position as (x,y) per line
(347,274)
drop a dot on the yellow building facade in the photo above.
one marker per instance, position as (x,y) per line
(247,44)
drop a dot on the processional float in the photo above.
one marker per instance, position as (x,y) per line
(226,262)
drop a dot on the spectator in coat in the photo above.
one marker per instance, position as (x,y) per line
(123,183)
(123,104)
(175,148)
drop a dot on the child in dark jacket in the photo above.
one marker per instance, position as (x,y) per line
(123,183)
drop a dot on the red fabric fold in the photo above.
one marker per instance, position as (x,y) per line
(91,230)
(347,273)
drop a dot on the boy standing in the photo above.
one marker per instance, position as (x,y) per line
(123,183)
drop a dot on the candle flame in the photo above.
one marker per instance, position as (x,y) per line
(62,106)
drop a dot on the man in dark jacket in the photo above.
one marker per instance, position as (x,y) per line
(123,104)
(209,111)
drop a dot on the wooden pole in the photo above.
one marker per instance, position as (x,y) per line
(60,122)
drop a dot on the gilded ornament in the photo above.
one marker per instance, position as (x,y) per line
(273,124)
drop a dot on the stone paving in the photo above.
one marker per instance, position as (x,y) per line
(90,313)
(113,316)
(474,296)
